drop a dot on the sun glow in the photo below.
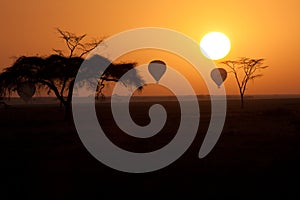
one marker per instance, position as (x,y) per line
(215,45)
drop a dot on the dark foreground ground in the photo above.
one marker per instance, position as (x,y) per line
(257,156)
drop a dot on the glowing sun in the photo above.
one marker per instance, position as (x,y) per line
(215,45)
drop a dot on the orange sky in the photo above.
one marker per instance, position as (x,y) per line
(258,29)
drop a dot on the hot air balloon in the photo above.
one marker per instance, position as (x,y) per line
(157,68)
(26,90)
(218,75)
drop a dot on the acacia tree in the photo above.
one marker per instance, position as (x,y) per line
(77,48)
(57,72)
(245,69)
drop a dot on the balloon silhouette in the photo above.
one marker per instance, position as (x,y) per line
(157,69)
(26,90)
(218,75)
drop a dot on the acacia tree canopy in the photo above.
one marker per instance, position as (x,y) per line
(55,71)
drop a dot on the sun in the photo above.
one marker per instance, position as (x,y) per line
(215,45)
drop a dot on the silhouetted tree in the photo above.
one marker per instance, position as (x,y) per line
(76,47)
(245,69)
(57,73)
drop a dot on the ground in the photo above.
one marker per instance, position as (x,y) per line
(257,155)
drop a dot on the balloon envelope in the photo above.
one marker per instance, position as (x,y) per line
(26,90)
(157,68)
(218,75)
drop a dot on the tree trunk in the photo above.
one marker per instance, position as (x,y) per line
(68,110)
(68,102)
(242,100)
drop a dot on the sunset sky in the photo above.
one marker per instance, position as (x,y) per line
(257,29)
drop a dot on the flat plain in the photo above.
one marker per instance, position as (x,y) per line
(257,155)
